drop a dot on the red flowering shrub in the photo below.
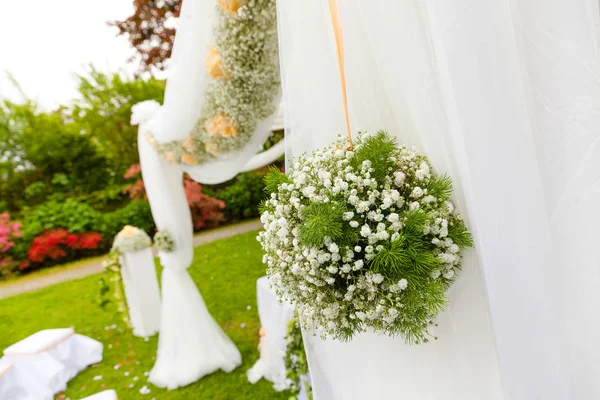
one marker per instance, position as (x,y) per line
(59,245)
(207,212)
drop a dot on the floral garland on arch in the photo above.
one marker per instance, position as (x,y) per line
(363,238)
(243,65)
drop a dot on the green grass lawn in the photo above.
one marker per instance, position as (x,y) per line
(225,272)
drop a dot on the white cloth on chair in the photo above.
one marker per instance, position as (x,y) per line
(17,384)
(106,395)
(274,319)
(44,362)
(141,290)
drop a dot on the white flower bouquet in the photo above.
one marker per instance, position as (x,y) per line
(363,238)
(164,242)
(131,239)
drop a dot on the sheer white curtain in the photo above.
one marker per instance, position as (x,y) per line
(191,343)
(503,96)
(560,59)
(186,90)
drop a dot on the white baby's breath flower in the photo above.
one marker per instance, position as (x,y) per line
(399,178)
(449,274)
(365,231)
(417,193)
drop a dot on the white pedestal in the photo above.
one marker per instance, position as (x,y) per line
(141,290)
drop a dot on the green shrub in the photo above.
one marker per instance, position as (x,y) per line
(242,197)
(107,199)
(137,213)
(74,216)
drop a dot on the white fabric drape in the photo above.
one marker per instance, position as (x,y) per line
(559,56)
(141,291)
(503,96)
(185,93)
(191,344)
(274,319)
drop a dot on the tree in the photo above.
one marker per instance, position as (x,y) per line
(42,153)
(104,113)
(147,33)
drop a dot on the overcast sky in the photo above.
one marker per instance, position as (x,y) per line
(43,42)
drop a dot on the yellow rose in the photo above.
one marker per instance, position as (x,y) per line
(150,139)
(189,159)
(231,6)
(189,144)
(212,148)
(211,127)
(226,126)
(170,157)
(212,63)
(221,126)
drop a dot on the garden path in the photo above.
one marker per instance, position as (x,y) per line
(83,269)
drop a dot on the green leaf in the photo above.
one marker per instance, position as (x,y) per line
(379,149)
(322,220)
(440,187)
(458,232)
(274,178)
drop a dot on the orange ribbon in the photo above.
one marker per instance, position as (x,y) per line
(5,368)
(337,30)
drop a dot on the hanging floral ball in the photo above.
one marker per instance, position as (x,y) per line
(363,238)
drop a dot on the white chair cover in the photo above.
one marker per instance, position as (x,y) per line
(44,362)
(141,290)
(17,384)
(503,96)
(274,319)
(106,395)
